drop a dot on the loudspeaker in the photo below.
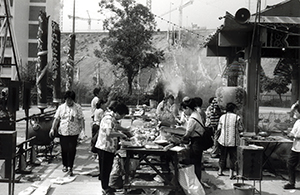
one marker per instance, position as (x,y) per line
(242,15)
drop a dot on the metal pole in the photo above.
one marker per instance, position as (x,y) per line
(73,29)
(7,11)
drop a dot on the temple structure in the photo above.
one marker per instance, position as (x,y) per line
(245,39)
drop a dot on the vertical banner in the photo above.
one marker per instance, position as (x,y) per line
(70,62)
(41,66)
(56,62)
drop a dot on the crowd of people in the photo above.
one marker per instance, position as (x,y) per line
(188,114)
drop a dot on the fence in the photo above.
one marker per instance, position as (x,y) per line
(268,97)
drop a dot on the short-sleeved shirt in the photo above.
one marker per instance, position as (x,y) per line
(105,141)
(230,125)
(98,114)
(296,133)
(70,119)
(93,104)
(193,126)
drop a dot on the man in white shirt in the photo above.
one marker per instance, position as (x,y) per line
(94,101)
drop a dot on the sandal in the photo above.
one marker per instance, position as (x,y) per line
(65,169)
(221,174)
(233,177)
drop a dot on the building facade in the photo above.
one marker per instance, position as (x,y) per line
(24,26)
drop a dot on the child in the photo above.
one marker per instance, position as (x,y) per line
(294,156)
(98,114)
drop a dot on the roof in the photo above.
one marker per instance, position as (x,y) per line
(276,20)
(286,12)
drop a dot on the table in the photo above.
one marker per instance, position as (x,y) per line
(270,145)
(145,157)
(180,131)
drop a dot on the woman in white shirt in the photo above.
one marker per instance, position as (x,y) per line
(194,133)
(229,125)
(69,117)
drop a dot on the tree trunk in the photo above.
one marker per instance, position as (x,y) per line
(280,98)
(129,86)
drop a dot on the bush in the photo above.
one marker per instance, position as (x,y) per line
(276,103)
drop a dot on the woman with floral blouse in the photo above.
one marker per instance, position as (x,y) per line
(107,142)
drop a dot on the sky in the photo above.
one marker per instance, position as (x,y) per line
(201,13)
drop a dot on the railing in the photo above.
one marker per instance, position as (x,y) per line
(25,154)
(268,97)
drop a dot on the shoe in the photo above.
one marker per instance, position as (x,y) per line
(65,169)
(71,172)
(288,186)
(108,192)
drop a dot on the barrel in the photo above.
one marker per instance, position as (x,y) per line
(39,126)
(234,95)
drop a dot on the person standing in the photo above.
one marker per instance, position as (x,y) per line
(199,103)
(94,101)
(107,142)
(98,114)
(194,133)
(167,111)
(182,121)
(213,113)
(68,122)
(229,126)
(294,156)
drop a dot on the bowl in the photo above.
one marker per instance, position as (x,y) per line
(264,133)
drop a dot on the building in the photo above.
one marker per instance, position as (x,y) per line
(24,26)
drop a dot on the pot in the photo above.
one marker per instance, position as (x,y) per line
(40,126)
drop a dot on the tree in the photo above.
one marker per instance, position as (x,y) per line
(129,43)
(278,84)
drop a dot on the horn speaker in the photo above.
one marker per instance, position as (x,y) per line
(242,15)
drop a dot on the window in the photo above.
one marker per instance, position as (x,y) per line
(34,12)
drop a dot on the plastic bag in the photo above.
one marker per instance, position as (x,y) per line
(115,178)
(189,181)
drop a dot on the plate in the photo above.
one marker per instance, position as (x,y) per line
(127,146)
(161,142)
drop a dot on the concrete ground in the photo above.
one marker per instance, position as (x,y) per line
(86,167)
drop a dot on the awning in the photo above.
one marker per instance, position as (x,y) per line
(276,19)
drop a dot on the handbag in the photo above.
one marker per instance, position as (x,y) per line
(207,137)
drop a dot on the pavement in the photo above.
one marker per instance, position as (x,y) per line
(48,175)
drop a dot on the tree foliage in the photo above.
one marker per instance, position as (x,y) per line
(129,43)
(283,75)
(279,84)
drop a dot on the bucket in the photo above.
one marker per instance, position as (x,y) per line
(243,189)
